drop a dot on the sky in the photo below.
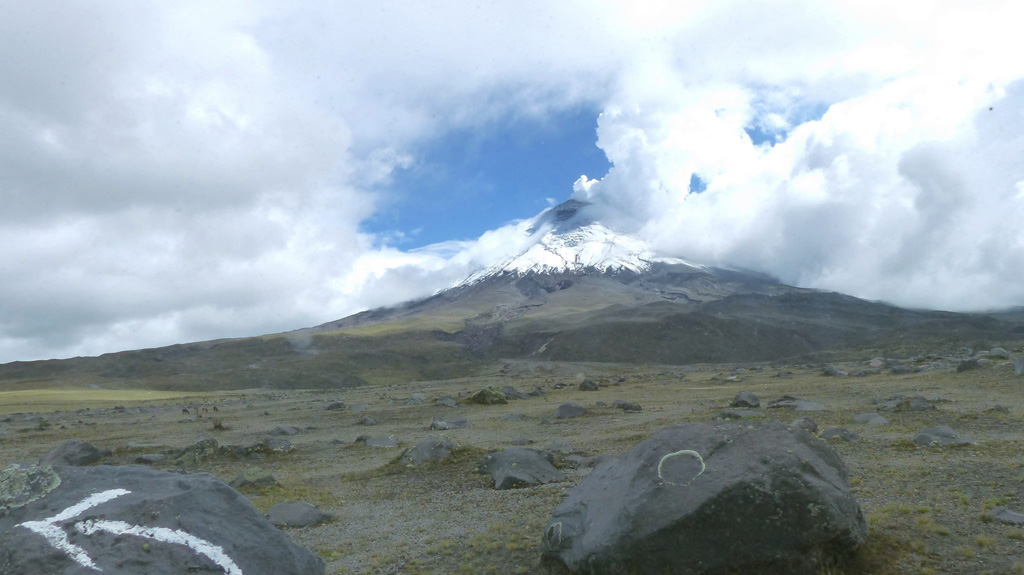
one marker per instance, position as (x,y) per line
(183,171)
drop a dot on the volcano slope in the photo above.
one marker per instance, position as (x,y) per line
(929,508)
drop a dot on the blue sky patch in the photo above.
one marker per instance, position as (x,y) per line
(471,181)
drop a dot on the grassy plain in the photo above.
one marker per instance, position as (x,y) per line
(928,508)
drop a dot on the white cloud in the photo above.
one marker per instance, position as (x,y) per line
(189,170)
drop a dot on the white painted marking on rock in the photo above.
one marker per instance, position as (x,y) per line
(201,546)
(58,538)
(689,452)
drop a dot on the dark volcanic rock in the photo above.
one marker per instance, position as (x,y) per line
(126,520)
(488,396)
(941,436)
(444,424)
(627,406)
(427,450)
(518,467)
(796,404)
(745,399)
(296,514)
(668,505)
(72,452)
(967,365)
(378,440)
(335,406)
(569,410)
(589,385)
(193,454)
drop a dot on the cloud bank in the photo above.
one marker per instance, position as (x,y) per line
(186,171)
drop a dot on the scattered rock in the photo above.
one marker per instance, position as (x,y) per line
(195,453)
(237,539)
(518,467)
(428,449)
(378,440)
(513,393)
(335,406)
(903,369)
(284,430)
(756,485)
(274,445)
(870,419)
(877,362)
(734,415)
(589,385)
(512,417)
(627,406)
(150,458)
(832,371)
(537,392)
(488,396)
(1006,516)
(72,452)
(796,404)
(442,424)
(446,401)
(367,420)
(840,433)
(569,410)
(416,399)
(941,436)
(253,477)
(296,514)
(967,365)
(995,353)
(805,423)
(745,399)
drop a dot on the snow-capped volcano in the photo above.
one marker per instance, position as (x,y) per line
(570,242)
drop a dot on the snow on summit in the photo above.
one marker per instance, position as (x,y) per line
(574,244)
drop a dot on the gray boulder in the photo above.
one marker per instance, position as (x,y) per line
(513,393)
(518,467)
(745,399)
(1018,366)
(805,423)
(126,520)
(428,449)
(335,406)
(668,505)
(870,419)
(445,424)
(940,436)
(1004,515)
(967,365)
(72,452)
(589,385)
(273,445)
(570,410)
(284,430)
(832,371)
(446,401)
(995,353)
(296,514)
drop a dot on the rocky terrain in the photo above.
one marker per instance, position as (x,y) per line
(458,476)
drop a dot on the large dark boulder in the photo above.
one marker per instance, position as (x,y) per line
(745,399)
(711,498)
(518,467)
(72,452)
(427,450)
(125,520)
